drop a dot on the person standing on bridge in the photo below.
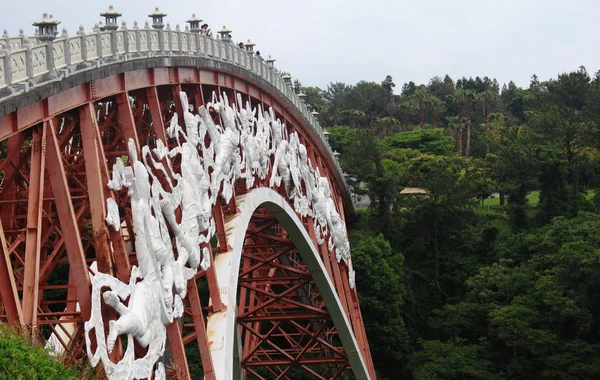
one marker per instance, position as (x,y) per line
(205,30)
(258,56)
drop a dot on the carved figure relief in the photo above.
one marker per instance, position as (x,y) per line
(247,143)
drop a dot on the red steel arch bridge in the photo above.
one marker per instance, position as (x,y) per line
(165,195)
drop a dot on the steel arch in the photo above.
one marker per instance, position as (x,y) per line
(69,161)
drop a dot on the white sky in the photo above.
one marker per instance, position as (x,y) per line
(322,41)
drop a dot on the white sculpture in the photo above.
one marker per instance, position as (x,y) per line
(242,147)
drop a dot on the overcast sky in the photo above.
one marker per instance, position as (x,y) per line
(322,41)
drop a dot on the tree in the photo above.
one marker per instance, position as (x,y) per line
(487,96)
(408,109)
(297,86)
(381,291)
(559,121)
(459,99)
(422,97)
(434,104)
(409,89)
(427,141)
(470,98)
(388,84)
(355,118)
(451,360)
(385,125)
(515,98)
(315,98)
(514,170)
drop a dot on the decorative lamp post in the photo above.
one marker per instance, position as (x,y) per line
(157,19)
(270,62)
(110,18)
(225,34)
(302,96)
(194,24)
(287,79)
(47,28)
(250,47)
(111,25)
(315,114)
(158,24)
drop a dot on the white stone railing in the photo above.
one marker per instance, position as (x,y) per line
(26,63)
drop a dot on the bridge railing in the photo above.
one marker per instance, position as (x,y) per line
(27,62)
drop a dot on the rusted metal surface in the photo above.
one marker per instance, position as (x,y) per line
(33,236)
(55,165)
(284,321)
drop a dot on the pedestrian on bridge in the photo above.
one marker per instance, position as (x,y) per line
(205,30)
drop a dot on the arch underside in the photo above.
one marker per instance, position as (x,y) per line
(56,162)
(289,315)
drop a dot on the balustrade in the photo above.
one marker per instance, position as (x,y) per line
(26,60)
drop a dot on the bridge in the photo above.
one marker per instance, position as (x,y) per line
(166,195)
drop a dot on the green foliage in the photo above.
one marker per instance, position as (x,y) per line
(428,141)
(540,302)
(19,360)
(451,360)
(449,289)
(379,277)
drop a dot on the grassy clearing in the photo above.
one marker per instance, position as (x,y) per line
(533,199)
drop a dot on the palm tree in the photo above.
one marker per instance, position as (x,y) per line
(470,98)
(408,108)
(383,125)
(422,96)
(487,96)
(434,103)
(459,99)
(355,118)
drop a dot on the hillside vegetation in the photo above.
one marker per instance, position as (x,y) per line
(454,284)
(20,358)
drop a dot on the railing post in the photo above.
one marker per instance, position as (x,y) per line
(138,45)
(21,37)
(7,67)
(67,46)
(114,50)
(163,45)
(178,33)
(125,38)
(6,38)
(81,34)
(201,42)
(28,60)
(98,33)
(50,60)
(188,39)
(166,39)
(148,37)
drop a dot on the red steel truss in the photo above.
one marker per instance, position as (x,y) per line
(56,157)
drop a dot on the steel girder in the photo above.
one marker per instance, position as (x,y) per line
(55,162)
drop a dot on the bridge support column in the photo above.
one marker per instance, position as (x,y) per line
(34,226)
(8,288)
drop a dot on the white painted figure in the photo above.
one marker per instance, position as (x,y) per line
(212,157)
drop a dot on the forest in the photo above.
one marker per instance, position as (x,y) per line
(492,270)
